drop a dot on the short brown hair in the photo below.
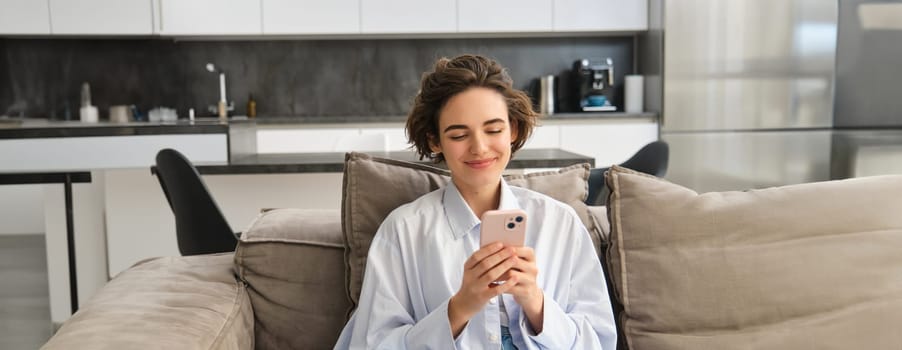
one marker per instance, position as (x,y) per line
(450,77)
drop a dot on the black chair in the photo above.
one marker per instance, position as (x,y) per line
(650,159)
(200,226)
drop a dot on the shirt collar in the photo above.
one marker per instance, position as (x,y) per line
(461,218)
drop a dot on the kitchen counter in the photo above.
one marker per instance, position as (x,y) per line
(333,162)
(39,145)
(396,119)
(14,128)
(42,128)
(233,146)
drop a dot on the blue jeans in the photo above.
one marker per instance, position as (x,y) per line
(507,343)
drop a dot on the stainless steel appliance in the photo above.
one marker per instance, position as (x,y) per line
(747,90)
(546,95)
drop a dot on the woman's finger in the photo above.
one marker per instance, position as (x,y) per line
(481,254)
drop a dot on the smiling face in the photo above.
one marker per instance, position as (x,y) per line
(475,135)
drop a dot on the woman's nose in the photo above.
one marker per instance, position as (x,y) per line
(478,144)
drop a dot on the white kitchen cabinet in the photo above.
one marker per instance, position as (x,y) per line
(302,140)
(24,17)
(609,143)
(114,17)
(600,15)
(489,16)
(311,17)
(394,138)
(210,17)
(103,152)
(544,136)
(331,139)
(408,16)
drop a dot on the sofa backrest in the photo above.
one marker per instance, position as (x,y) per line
(809,266)
(293,263)
(373,187)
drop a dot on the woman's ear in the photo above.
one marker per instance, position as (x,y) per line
(434,144)
(514,129)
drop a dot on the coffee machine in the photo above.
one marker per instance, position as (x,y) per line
(594,85)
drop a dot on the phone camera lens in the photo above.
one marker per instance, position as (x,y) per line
(510,225)
(519,219)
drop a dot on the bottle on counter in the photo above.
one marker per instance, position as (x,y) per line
(67,111)
(251,106)
(87,112)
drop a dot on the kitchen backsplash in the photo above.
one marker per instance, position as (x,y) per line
(41,78)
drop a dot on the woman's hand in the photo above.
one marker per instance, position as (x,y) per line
(526,291)
(485,266)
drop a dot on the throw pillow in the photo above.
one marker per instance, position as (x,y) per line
(287,291)
(807,266)
(373,187)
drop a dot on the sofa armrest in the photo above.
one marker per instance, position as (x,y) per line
(191,302)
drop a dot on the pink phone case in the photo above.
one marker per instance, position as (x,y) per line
(505,226)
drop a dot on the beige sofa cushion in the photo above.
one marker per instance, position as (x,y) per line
(293,263)
(811,266)
(373,187)
(167,303)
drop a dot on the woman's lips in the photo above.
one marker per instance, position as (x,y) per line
(481,163)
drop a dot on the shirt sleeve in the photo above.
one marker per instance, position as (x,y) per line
(384,317)
(585,319)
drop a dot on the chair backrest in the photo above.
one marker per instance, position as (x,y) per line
(651,159)
(200,226)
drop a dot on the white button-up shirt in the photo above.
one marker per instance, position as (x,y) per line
(415,264)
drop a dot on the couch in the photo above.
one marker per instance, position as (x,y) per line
(808,266)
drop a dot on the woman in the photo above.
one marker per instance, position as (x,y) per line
(428,283)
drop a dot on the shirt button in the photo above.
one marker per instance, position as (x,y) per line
(493,337)
(493,301)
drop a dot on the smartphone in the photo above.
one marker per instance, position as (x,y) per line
(505,226)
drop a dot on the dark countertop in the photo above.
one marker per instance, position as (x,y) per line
(42,128)
(333,162)
(44,177)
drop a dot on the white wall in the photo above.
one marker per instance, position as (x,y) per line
(22,209)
